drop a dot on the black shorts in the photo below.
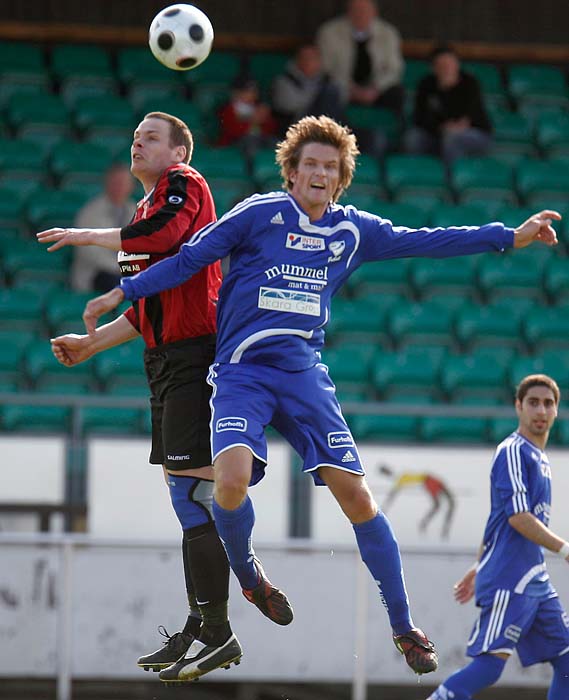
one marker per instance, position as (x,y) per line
(179,401)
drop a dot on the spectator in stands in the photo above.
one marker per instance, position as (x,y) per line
(304,88)
(245,120)
(363,54)
(96,269)
(449,116)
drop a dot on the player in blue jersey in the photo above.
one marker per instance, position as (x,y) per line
(519,607)
(288,253)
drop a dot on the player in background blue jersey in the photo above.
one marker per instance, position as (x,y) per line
(519,607)
(288,253)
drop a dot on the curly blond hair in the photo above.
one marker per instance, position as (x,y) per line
(318,130)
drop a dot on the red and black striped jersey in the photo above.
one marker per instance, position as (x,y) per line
(179,205)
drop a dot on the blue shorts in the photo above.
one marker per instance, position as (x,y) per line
(302,406)
(537,628)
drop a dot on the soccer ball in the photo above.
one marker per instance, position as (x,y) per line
(180,37)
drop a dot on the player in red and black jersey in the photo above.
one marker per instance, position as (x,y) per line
(178,327)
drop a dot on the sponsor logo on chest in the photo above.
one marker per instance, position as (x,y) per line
(298,241)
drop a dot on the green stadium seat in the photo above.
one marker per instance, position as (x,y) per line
(413,369)
(488,177)
(388,428)
(553,362)
(227,194)
(425,323)
(415,71)
(20,310)
(81,61)
(13,345)
(557,280)
(73,91)
(513,135)
(185,110)
(500,428)
(141,94)
(22,62)
(10,209)
(547,328)
(500,275)
(12,86)
(480,373)
(562,432)
(220,70)
(360,117)
(80,161)
(406,174)
(536,179)
(136,63)
(349,362)
(265,167)
(453,276)
(426,204)
(20,158)
(368,172)
(379,277)
(534,81)
(264,68)
(453,429)
(51,208)
(111,420)
(36,419)
(40,366)
(490,205)
(356,320)
(223,163)
(37,109)
(403,214)
(458,215)
(121,361)
(8,386)
(129,385)
(552,133)
(487,74)
(477,326)
(110,114)
(65,308)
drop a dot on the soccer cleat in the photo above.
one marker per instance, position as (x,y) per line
(174,647)
(419,652)
(201,659)
(271,601)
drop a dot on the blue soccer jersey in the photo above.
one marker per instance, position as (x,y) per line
(283,270)
(520,483)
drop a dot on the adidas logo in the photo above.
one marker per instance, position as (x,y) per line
(348,457)
(277,218)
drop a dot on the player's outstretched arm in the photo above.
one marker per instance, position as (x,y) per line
(537,228)
(100,305)
(60,237)
(72,349)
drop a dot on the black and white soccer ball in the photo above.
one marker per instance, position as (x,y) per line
(180,37)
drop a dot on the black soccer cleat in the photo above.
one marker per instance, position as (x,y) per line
(201,659)
(271,601)
(174,647)
(419,652)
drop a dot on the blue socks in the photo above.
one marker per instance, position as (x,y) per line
(481,672)
(380,552)
(559,688)
(234,528)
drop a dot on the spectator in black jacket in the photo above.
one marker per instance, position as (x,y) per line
(449,116)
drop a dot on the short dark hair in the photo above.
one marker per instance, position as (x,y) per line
(537,380)
(441,49)
(180,134)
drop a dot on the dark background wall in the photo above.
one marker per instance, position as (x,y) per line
(498,21)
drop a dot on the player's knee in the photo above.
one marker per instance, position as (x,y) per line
(230,488)
(191,500)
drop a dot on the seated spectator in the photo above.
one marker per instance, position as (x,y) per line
(304,89)
(96,269)
(449,116)
(363,54)
(245,120)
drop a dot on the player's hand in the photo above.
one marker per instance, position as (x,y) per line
(537,228)
(71,349)
(99,306)
(63,236)
(464,589)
